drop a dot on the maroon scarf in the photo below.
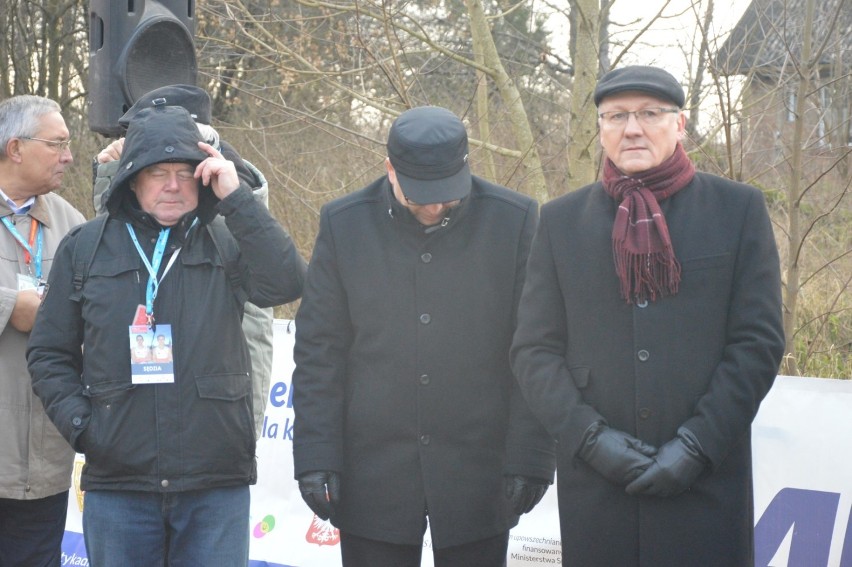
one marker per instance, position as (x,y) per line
(641,245)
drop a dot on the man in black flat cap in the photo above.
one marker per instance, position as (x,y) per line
(648,333)
(406,407)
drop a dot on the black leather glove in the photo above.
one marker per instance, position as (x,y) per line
(676,466)
(320,491)
(618,457)
(525,492)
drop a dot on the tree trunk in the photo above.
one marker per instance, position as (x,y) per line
(583,131)
(535,185)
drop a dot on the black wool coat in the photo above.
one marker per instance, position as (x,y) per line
(402,381)
(704,359)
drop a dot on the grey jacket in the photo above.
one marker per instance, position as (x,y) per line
(36,461)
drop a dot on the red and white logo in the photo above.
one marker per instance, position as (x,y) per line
(321,532)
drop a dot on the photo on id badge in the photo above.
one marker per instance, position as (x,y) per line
(151,359)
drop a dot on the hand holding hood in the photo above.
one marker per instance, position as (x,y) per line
(155,135)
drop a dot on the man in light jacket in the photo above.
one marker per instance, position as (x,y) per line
(35,461)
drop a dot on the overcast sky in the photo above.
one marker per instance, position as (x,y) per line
(669,37)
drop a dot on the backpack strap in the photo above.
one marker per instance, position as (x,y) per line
(85,247)
(228,251)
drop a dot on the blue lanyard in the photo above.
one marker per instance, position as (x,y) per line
(31,255)
(153,266)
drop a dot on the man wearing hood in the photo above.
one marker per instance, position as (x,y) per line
(257,322)
(170,448)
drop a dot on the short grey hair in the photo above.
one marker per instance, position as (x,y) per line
(209,133)
(19,117)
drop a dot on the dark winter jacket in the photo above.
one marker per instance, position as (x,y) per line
(402,381)
(197,432)
(703,359)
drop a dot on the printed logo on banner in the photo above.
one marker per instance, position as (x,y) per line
(321,532)
(266,525)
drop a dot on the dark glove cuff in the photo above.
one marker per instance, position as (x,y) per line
(590,437)
(691,443)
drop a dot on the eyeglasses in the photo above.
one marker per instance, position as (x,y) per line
(60,145)
(646,116)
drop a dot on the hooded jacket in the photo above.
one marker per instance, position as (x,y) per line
(197,432)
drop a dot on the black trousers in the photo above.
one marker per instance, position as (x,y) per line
(360,552)
(31,531)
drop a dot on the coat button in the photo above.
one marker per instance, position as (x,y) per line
(424,379)
(644,413)
(164,483)
(425,440)
(643,355)
(77,421)
(642,304)
(426,257)
(425,318)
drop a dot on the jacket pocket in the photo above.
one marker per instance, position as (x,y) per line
(228,387)
(705,262)
(105,441)
(222,416)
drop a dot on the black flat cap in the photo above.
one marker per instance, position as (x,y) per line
(642,78)
(427,147)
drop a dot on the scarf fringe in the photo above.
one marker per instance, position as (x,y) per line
(642,249)
(649,276)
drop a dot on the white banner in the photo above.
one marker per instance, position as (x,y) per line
(803,485)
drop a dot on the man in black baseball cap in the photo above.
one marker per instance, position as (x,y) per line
(427,149)
(402,390)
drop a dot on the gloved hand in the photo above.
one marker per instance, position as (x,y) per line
(320,491)
(525,492)
(617,456)
(676,466)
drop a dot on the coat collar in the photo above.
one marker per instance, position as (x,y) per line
(399,213)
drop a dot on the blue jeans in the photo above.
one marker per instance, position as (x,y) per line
(177,529)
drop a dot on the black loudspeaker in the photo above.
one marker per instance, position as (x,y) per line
(136,46)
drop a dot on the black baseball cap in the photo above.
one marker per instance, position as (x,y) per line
(194,99)
(427,147)
(651,80)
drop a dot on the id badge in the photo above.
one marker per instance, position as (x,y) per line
(151,357)
(27,282)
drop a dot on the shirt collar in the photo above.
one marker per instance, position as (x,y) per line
(18,210)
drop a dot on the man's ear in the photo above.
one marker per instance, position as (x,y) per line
(13,150)
(681,125)
(391,171)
